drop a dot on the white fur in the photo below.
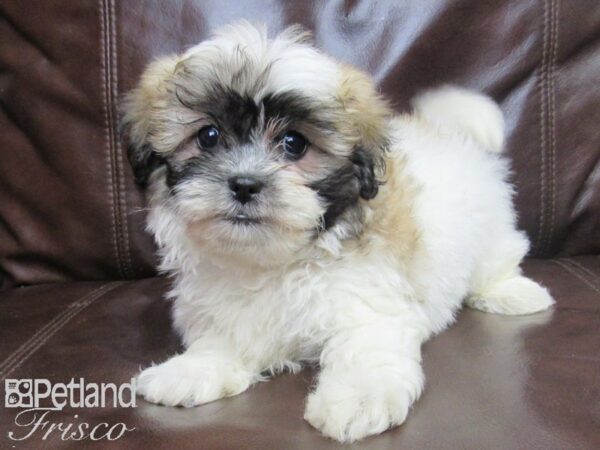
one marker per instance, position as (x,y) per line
(353,305)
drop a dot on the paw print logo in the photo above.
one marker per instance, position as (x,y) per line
(18,393)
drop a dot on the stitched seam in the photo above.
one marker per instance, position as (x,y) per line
(542,94)
(593,276)
(113,170)
(585,269)
(26,350)
(577,274)
(122,203)
(26,346)
(552,123)
(113,149)
(107,128)
(553,130)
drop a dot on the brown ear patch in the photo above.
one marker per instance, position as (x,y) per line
(140,109)
(366,125)
(366,111)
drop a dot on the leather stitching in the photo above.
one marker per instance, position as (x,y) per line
(27,349)
(593,277)
(109,107)
(543,107)
(120,173)
(553,129)
(551,93)
(119,225)
(113,148)
(104,61)
(573,270)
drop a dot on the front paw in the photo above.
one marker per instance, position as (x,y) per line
(347,409)
(189,381)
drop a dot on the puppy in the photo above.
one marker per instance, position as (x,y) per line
(304,223)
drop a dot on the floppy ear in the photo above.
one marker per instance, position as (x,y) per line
(143,160)
(366,125)
(364,171)
(138,122)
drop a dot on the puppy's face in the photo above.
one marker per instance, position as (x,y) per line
(259,145)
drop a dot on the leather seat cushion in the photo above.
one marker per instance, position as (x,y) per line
(492,381)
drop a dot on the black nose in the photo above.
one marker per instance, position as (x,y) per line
(244,188)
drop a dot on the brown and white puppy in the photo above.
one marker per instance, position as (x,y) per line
(304,223)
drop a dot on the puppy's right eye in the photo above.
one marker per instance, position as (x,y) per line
(294,144)
(208,137)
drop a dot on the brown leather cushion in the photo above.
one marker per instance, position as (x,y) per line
(492,381)
(68,206)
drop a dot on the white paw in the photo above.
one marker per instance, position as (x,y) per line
(347,412)
(189,381)
(515,296)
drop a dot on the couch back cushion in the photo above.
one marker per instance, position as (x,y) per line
(69,208)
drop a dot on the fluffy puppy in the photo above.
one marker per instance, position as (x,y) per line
(304,223)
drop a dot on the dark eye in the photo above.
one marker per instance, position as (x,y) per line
(208,136)
(294,144)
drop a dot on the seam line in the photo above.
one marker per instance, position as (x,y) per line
(592,277)
(552,125)
(543,144)
(563,263)
(125,250)
(104,71)
(28,348)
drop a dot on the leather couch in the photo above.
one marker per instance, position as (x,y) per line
(79,294)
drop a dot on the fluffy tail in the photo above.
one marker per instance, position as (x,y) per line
(475,115)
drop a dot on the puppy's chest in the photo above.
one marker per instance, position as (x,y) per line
(294,303)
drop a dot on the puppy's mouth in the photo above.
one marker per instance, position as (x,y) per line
(244,219)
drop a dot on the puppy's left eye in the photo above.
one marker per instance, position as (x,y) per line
(294,144)
(208,137)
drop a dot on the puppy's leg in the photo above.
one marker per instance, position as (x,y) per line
(208,370)
(499,287)
(371,374)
